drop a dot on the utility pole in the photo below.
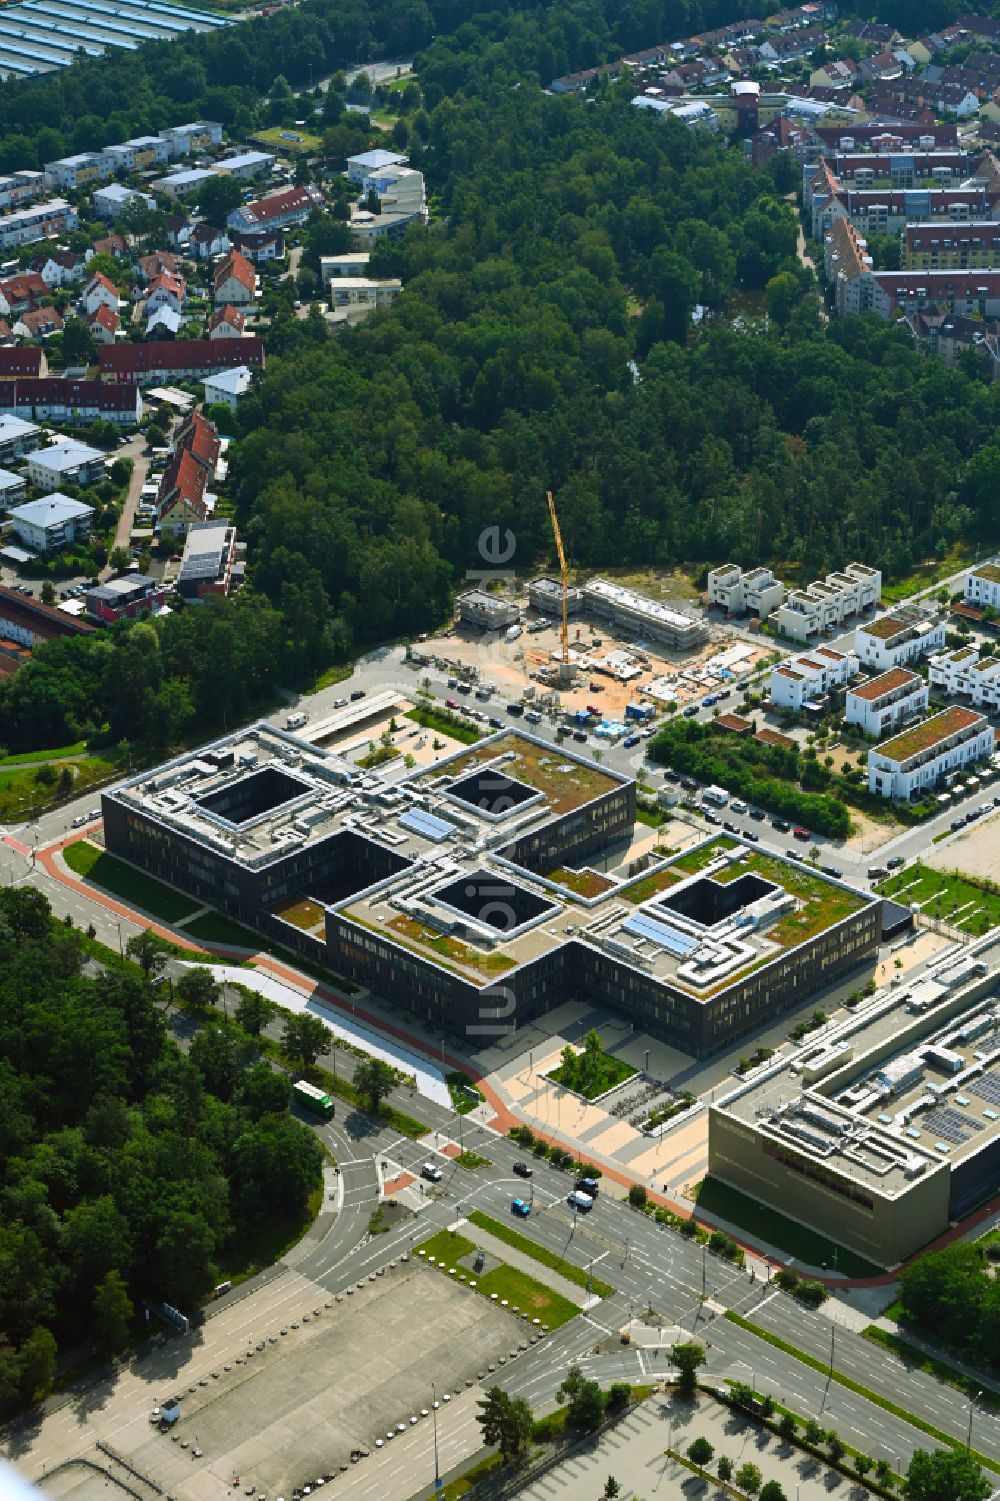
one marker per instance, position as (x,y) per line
(833,1333)
(434,1412)
(704,1257)
(972,1407)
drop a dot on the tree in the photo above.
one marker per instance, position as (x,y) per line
(148,951)
(725,1467)
(748,1478)
(112,1312)
(38,1363)
(78,343)
(611,1488)
(812,1433)
(787,1427)
(374,1080)
(262,1091)
(218,196)
(700,1451)
(835,1446)
(590,1062)
(686,1359)
(48,594)
(944,1475)
(506,1422)
(862,1464)
(119,558)
(253,1012)
(304,1037)
(197,989)
(637,1195)
(772,1491)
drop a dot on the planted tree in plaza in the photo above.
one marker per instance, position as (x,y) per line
(725,1467)
(700,1451)
(374,1080)
(590,1062)
(686,1359)
(748,1478)
(772,1491)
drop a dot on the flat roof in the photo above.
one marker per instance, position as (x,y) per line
(886,628)
(988,571)
(930,733)
(886,682)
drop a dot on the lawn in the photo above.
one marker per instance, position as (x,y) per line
(945,894)
(447,1246)
(445,724)
(527,1295)
(555,1263)
(647,886)
(215,927)
(697,859)
(584,882)
(762,1223)
(31,758)
(293,142)
(416,935)
(35,780)
(121,880)
(824,902)
(464,1096)
(608,1071)
(471,1160)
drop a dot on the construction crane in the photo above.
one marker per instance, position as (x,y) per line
(566,670)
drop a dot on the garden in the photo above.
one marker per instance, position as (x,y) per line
(590,1072)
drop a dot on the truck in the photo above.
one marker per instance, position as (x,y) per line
(512,633)
(316,1101)
(717,796)
(296,721)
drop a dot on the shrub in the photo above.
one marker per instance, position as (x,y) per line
(725,1468)
(637,1196)
(700,1451)
(788,1427)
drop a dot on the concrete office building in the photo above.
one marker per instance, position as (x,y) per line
(886,1131)
(448,888)
(489,612)
(644,618)
(546,596)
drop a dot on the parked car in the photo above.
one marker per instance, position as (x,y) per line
(358,693)
(799,833)
(831,870)
(739,807)
(712,818)
(733,828)
(690,711)
(533,716)
(758,814)
(453,682)
(515,708)
(465,687)
(709,700)
(898,860)
(340,703)
(629,741)
(79,821)
(496,724)
(781,825)
(451,703)
(521,1207)
(523,1169)
(752,836)
(580,735)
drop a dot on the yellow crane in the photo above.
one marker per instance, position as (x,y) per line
(564,578)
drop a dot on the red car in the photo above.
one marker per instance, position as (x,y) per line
(451,703)
(800,834)
(593,709)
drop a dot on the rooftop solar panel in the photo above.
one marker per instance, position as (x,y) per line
(669,938)
(426,824)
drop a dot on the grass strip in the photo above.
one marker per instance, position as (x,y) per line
(933,1365)
(215,927)
(472,1160)
(860,1391)
(133,886)
(511,1237)
(447,1245)
(528,1295)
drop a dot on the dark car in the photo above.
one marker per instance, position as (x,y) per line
(523,1169)
(831,870)
(465,687)
(689,784)
(958,823)
(580,735)
(690,711)
(758,814)
(358,693)
(733,828)
(753,838)
(629,741)
(712,818)
(515,708)
(496,724)
(587,1186)
(895,862)
(781,824)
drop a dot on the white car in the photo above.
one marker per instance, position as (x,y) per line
(738,808)
(340,703)
(79,821)
(431,1172)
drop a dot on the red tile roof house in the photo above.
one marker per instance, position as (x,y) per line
(19,361)
(227,323)
(235,282)
(103,325)
(36,323)
(45,399)
(18,293)
(200,438)
(194,358)
(181,498)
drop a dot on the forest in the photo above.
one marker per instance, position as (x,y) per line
(545,339)
(134,1177)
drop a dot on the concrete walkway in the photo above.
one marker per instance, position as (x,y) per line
(511,1256)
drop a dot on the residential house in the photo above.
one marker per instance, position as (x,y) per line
(66,463)
(159,263)
(186,183)
(399,190)
(163,323)
(278,210)
(756,592)
(197,135)
(126,597)
(59,268)
(894,640)
(99,291)
(209,563)
(914,762)
(42,221)
(235,282)
(13,487)
(259,245)
(803,682)
(184,359)
(882,703)
(19,293)
(44,399)
(982,585)
(104,325)
(178,231)
(167,290)
(206,241)
(227,323)
(199,437)
(246,165)
(111,202)
(139,153)
(348,263)
(51,523)
(182,496)
(78,171)
(842,73)
(19,361)
(965,674)
(356,296)
(931,247)
(366,162)
(18,188)
(788,46)
(111,245)
(828,602)
(227,386)
(38,323)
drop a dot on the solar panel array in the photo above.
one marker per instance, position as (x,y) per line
(661,933)
(426,824)
(951,1125)
(985,1087)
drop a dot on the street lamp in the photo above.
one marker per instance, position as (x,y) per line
(704,1259)
(121,947)
(972,1408)
(434,1414)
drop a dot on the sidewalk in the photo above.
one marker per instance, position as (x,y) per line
(511,1256)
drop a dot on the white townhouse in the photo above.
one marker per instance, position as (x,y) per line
(884,702)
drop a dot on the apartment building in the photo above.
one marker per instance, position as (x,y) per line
(829,602)
(277,211)
(966,674)
(42,221)
(757,592)
(80,170)
(17,438)
(48,399)
(935,247)
(366,162)
(48,524)
(883,703)
(545,595)
(900,169)
(184,359)
(644,618)
(971,293)
(209,564)
(488,612)
(66,463)
(982,585)
(913,763)
(895,640)
(803,682)
(359,295)
(112,201)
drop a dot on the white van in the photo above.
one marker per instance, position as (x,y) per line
(718,796)
(580,1201)
(296,721)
